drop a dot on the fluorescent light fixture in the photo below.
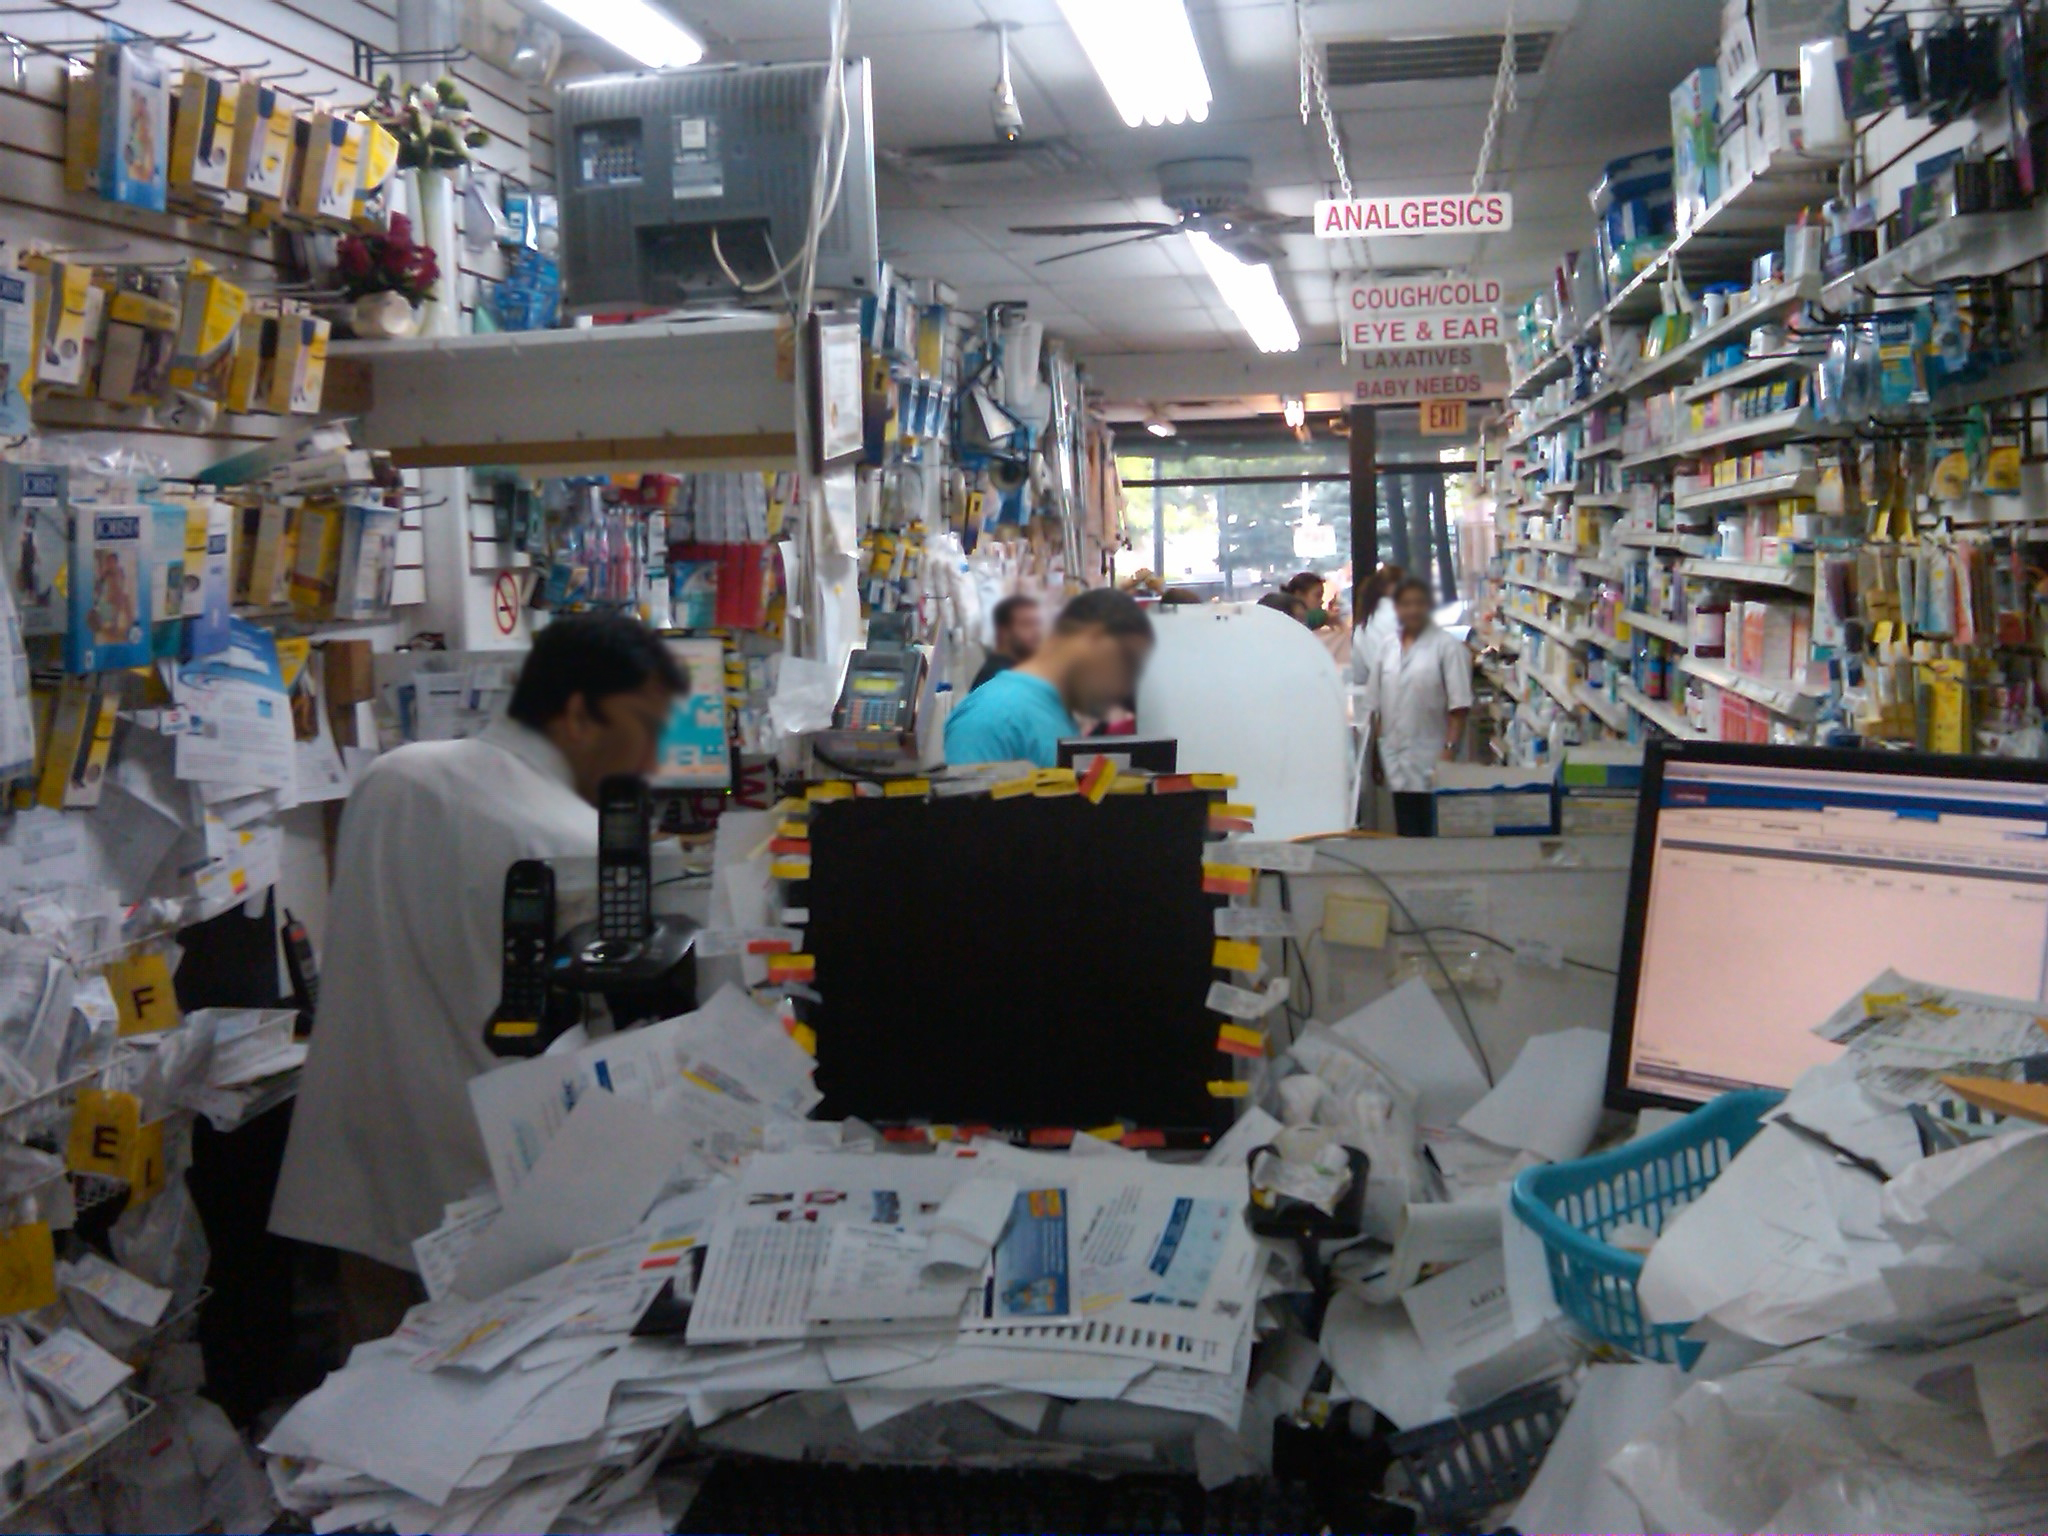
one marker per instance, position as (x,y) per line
(1159,426)
(1250,291)
(634,27)
(1145,52)
(1294,411)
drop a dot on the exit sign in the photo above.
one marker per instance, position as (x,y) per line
(1443,418)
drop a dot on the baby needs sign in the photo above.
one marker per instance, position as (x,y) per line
(1409,374)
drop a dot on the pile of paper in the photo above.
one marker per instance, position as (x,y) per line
(672,1256)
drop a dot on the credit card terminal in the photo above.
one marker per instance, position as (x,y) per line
(881,691)
(625,859)
(518,1028)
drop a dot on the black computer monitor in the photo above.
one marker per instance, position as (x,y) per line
(1023,963)
(1144,754)
(1770,883)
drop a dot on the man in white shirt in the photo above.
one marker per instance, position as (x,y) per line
(382,1135)
(1421,694)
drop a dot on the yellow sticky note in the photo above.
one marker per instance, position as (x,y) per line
(1229,1088)
(906,789)
(793,829)
(1009,789)
(805,1037)
(1214,780)
(837,789)
(28,1268)
(143,993)
(145,1172)
(1234,812)
(785,869)
(1237,955)
(1252,1040)
(104,1127)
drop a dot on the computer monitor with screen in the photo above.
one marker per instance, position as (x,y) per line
(1770,883)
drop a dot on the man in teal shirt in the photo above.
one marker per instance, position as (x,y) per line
(1090,664)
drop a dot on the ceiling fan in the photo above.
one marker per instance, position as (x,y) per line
(1211,196)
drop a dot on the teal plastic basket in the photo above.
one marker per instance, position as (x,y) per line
(1573,1206)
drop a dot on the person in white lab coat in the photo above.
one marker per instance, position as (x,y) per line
(1421,693)
(382,1136)
(1378,627)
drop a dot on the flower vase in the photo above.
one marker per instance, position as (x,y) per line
(384,317)
(433,194)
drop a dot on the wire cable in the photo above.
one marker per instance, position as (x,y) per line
(1421,932)
(1498,943)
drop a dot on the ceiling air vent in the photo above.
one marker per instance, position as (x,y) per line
(1026,161)
(1462,56)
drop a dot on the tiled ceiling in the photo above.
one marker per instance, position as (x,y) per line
(1602,93)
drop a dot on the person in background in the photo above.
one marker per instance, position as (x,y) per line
(1180,597)
(1308,586)
(1421,692)
(1089,664)
(1020,630)
(1287,603)
(382,1136)
(1377,624)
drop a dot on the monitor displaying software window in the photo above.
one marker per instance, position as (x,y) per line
(1770,883)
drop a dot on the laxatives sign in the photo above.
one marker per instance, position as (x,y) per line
(1486,214)
(1409,374)
(1419,311)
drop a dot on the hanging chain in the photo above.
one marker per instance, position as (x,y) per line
(1312,78)
(1504,99)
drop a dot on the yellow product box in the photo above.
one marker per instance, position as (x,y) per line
(135,356)
(82,125)
(272,549)
(202,136)
(81,740)
(316,556)
(314,146)
(262,150)
(374,170)
(255,363)
(337,200)
(212,319)
(67,310)
(301,371)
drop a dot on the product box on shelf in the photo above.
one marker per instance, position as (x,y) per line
(1696,161)
(1762,35)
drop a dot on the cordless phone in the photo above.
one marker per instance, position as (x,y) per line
(517,1028)
(304,969)
(625,860)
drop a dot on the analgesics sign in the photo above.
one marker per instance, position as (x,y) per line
(1487,213)
(1421,311)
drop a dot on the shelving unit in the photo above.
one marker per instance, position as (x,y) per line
(1557,632)
(1795,578)
(1556,690)
(1553,589)
(1787,698)
(1660,715)
(1768,488)
(1612,714)
(1663,629)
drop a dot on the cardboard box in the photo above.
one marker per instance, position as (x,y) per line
(251,379)
(1475,801)
(1695,145)
(348,676)
(301,371)
(202,137)
(1760,35)
(135,127)
(337,199)
(82,125)
(205,359)
(263,142)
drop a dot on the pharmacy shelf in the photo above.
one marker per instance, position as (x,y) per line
(1545,373)
(1552,588)
(1797,422)
(1787,699)
(1556,690)
(1749,373)
(1611,713)
(1660,715)
(1969,245)
(1794,578)
(1574,489)
(1766,488)
(680,394)
(1606,450)
(1548,546)
(1550,627)
(1599,504)
(1604,640)
(1685,543)
(1673,630)
(1605,568)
